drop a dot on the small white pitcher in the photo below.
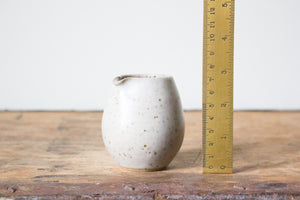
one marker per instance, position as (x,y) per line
(143,122)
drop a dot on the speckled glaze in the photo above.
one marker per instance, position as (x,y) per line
(143,122)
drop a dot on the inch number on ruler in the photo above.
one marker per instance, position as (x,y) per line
(218,36)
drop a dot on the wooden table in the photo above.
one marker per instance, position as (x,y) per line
(61,155)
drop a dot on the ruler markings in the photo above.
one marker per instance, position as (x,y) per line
(218,85)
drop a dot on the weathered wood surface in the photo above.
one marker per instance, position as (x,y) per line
(61,155)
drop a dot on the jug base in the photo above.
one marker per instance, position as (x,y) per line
(142,170)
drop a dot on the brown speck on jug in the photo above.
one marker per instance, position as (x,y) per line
(125,154)
(145,146)
(159,99)
(155,153)
(155,117)
(145,130)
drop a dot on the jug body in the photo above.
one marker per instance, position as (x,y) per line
(143,122)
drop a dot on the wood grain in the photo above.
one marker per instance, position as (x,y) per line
(48,155)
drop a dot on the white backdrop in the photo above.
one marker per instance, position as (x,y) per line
(63,54)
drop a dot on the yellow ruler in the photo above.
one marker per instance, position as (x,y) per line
(218,86)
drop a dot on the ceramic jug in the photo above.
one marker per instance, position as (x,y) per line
(143,122)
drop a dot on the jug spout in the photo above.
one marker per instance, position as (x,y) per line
(119,80)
